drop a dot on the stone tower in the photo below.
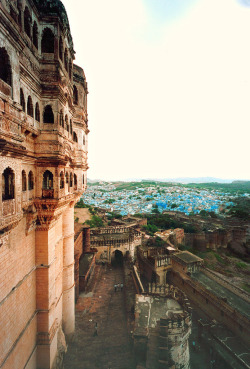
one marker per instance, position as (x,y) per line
(43,145)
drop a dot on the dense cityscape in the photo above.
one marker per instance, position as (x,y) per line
(143,198)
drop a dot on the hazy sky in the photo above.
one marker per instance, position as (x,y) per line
(169,86)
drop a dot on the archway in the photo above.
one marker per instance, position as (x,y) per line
(117,258)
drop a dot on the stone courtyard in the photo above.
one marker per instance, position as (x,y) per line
(111,348)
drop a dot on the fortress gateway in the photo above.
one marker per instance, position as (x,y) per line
(43,145)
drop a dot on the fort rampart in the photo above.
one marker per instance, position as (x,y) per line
(213,306)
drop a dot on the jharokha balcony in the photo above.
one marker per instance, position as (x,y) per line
(9,207)
(47,193)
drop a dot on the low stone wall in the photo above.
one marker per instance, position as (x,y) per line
(212,305)
(223,282)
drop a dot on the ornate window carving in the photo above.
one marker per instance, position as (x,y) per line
(75,95)
(48,41)
(71,180)
(8,184)
(37,112)
(22,101)
(35,35)
(5,68)
(24,181)
(48,116)
(30,110)
(31,180)
(27,21)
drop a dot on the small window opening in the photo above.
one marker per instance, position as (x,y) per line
(61,180)
(48,116)
(30,110)
(47,180)
(24,181)
(8,184)
(31,180)
(48,41)
(37,113)
(27,21)
(75,95)
(35,35)
(22,101)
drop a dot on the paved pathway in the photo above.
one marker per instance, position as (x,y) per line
(102,305)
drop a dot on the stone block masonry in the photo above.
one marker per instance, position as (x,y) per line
(43,166)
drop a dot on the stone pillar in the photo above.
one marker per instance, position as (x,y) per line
(47,324)
(68,313)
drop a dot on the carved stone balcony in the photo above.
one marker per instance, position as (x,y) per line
(9,207)
(5,88)
(31,194)
(24,196)
(48,193)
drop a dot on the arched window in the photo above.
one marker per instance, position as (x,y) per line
(67,177)
(24,181)
(27,21)
(70,127)
(37,112)
(61,121)
(30,110)
(71,180)
(48,116)
(22,101)
(47,180)
(30,181)
(19,19)
(75,137)
(75,95)
(70,68)
(66,123)
(83,139)
(5,68)
(35,35)
(48,41)
(61,48)
(66,59)
(75,180)
(61,180)
(8,184)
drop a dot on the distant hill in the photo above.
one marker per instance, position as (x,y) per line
(174,180)
(194,180)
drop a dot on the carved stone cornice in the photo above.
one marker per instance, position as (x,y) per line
(7,147)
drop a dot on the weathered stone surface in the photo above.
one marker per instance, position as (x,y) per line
(43,148)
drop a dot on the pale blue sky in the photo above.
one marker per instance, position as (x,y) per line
(169,87)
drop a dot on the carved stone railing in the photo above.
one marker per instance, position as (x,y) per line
(31,194)
(9,207)
(47,194)
(24,196)
(5,88)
